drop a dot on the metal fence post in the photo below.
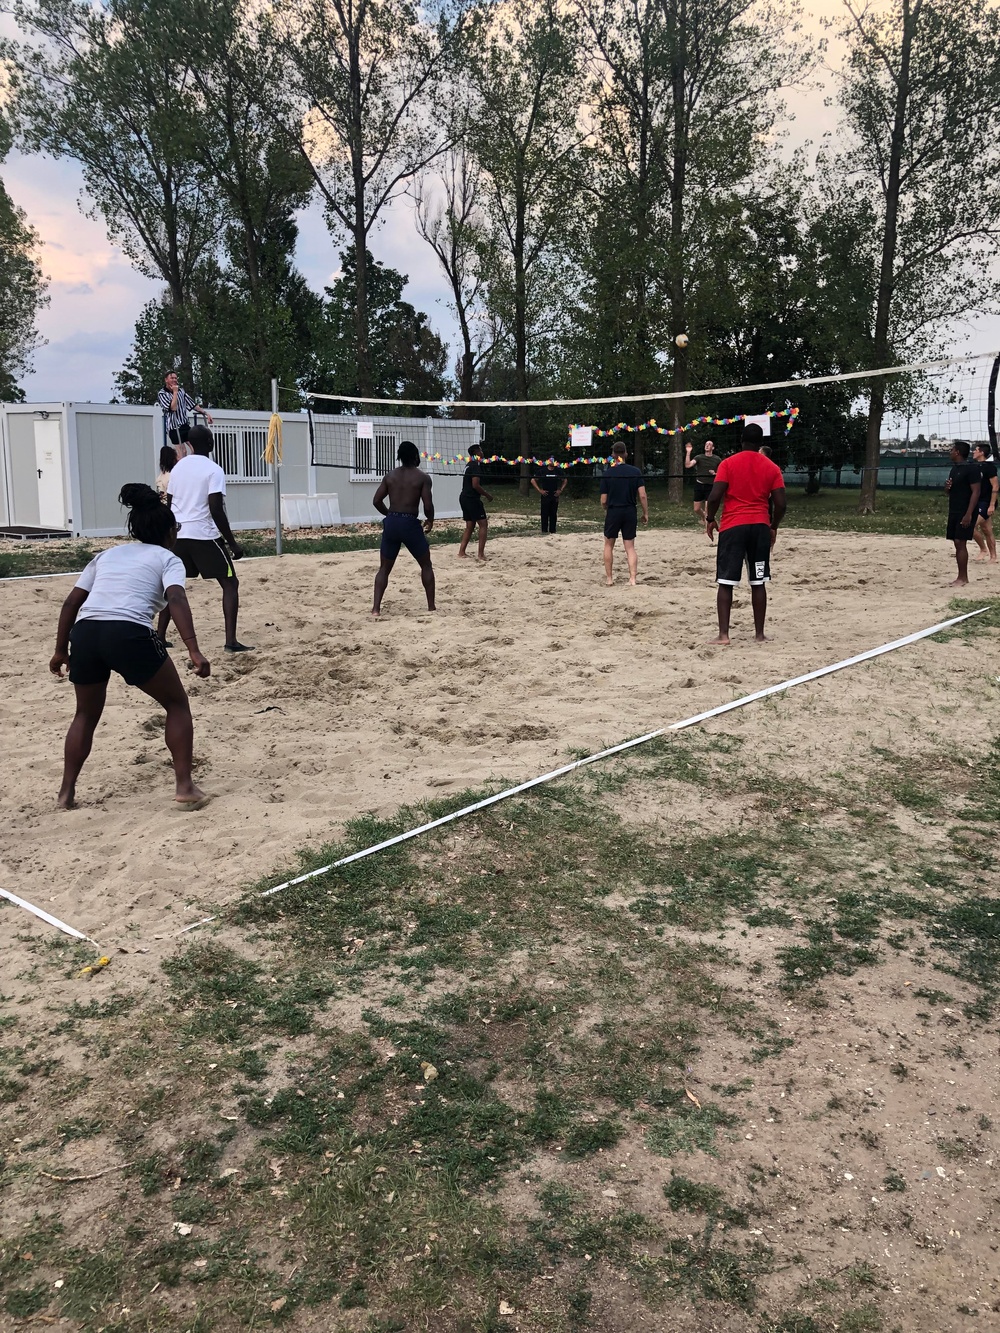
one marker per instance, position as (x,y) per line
(276,473)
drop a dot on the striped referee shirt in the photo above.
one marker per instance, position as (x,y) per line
(185,405)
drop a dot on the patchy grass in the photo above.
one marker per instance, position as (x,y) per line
(410,1093)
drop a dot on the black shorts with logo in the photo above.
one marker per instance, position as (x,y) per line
(209,559)
(957,531)
(473,509)
(621,520)
(746,544)
(98,647)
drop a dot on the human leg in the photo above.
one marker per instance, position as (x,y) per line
(979,536)
(991,542)
(166,688)
(470,524)
(80,737)
(427,579)
(962,560)
(553,512)
(483,527)
(758,599)
(609,560)
(382,581)
(632,558)
(724,607)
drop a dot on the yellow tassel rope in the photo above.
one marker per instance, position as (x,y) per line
(272,453)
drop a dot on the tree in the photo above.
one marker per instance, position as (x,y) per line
(685,98)
(522,67)
(406,357)
(106,86)
(456,231)
(243,134)
(921,97)
(364,72)
(23,288)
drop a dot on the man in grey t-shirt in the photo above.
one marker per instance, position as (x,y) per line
(705,465)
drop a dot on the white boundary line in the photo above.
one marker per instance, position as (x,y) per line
(47,916)
(647,397)
(604,754)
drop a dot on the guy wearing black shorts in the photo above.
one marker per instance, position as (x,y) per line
(621,486)
(754,493)
(964,485)
(471,500)
(985,538)
(550,483)
(705,464)
(197,495)
(398,499)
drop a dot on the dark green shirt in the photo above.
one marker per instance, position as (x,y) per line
(705,466)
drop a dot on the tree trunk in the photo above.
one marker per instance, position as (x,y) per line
(886,282)
(678,293)
(521,340)
(363,377)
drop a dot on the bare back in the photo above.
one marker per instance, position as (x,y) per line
(405,487)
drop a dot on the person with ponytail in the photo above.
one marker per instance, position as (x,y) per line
(106,624)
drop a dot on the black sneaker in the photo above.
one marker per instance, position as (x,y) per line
(238,647)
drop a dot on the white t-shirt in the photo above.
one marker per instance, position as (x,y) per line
(192,480)
(129,582)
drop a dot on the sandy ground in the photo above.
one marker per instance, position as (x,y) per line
(530,657)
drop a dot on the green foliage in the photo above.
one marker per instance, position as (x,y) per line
(22,285)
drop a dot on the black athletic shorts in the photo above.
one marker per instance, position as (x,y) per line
(210,560)
(957,532)
(403,530)
(983,508)
(621,521)
(702,490)
(473,509)
(98,647)
(180,435)
(746,544)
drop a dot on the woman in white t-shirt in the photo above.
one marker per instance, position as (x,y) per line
(106,624)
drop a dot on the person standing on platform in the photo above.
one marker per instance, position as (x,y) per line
(177,405)
(754,493)
(985,539)
(705,464)
(550,483)
(621,486)
(471,500)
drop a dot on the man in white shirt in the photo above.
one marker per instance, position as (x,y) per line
(197,495)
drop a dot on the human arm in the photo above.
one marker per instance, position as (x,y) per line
(645,504)
(477,486)
(67,619)
(379,498)
(427,499)
(217,508)
(536,486)
(994,489)
(688,460)
(180,614)
(973,502)
(715,498)
(565,483)
(779,503)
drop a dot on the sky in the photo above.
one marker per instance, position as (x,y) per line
(96,295)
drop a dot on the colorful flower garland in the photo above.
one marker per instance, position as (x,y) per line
(791,413)
(589,460)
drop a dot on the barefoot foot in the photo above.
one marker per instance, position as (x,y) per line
(66,800)
(189,795)
(959,583)
(721,642)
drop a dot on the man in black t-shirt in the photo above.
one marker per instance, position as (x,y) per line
(621,486)
(705,464)
(963,486)
(471,500)
(983,533)
(550,483)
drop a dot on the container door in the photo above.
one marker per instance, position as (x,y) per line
(48,462)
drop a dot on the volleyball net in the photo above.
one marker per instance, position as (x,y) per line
(814,427)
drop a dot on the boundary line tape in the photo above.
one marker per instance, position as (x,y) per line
(867,656)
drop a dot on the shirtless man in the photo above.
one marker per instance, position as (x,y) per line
(405,487)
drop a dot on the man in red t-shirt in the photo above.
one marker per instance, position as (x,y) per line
(754,493)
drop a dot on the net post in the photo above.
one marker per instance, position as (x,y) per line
(991,409)
(276,473)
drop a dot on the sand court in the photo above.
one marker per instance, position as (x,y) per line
(529,660)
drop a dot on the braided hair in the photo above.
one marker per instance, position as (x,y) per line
(149,519)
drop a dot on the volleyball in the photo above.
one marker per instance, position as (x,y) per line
(681,340)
